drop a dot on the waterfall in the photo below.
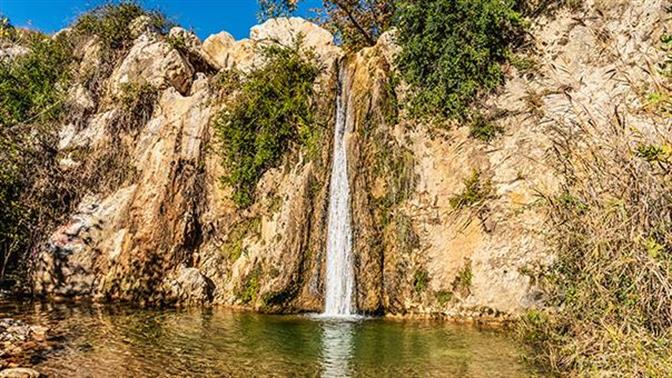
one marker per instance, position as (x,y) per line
(340,281)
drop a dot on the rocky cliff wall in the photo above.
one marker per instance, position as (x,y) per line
(170,233)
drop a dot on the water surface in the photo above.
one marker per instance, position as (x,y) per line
(119,341)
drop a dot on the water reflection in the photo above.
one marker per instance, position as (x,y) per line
(337,348)
(113,341)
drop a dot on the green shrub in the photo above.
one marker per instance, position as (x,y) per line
(250,288)
(32,95)
(273,112)
(482,128)
(452,50)
(33,85)
(444,297)
(420,280)
(110,23)
(475,192)
(7,30)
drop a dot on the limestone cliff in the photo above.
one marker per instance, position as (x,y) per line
(169,232)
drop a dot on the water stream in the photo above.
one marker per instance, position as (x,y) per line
(340,280)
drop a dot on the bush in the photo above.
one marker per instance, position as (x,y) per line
(420,280)
(110,23)
(482,128)
(33,94)
(611,286)
(452,50)
(32,85)
(273,112)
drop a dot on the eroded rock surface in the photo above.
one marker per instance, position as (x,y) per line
(170,232)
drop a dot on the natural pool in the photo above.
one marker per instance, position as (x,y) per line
(119,341)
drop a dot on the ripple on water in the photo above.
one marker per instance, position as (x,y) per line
(117,341)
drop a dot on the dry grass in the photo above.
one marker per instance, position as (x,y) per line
(610,289)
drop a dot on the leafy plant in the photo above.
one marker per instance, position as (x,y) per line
(251,286)
(476,190)
(273,112)
(452,50)
(110,23)
(482,128)
(420,280)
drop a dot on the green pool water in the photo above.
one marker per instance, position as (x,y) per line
(114,341)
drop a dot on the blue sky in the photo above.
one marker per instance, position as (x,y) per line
(205,17)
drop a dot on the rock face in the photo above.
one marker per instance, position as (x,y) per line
(224,52)
(170,233)
(153,61)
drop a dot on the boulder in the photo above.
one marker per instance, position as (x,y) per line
(153,61)
(286,31)
(224,52)
(218,50)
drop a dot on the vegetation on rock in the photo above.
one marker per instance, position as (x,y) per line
(35,192)
(476,190)
(452,50)
(274,111)
(111,23)
(611,282)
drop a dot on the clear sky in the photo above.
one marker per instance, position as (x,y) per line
(205,17)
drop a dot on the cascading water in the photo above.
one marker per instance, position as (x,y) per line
(340,281)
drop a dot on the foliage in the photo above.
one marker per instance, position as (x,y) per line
(32,85)
(273,112)
(610,289)
(33,93)
(476,190)
(251,286)
(136,101)
(463,279)
(358,23)
(534,8)
(482,128)
(443,297)
(7,30)
(110,23)
(452,50)
(420,280)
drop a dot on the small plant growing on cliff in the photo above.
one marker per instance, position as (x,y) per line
(32,99)
(476,190)
(420,280)
(482,128)
(273,113)
(250,288)
(136,102)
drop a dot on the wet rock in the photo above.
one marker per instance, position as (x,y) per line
(189,286)
(17,340)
